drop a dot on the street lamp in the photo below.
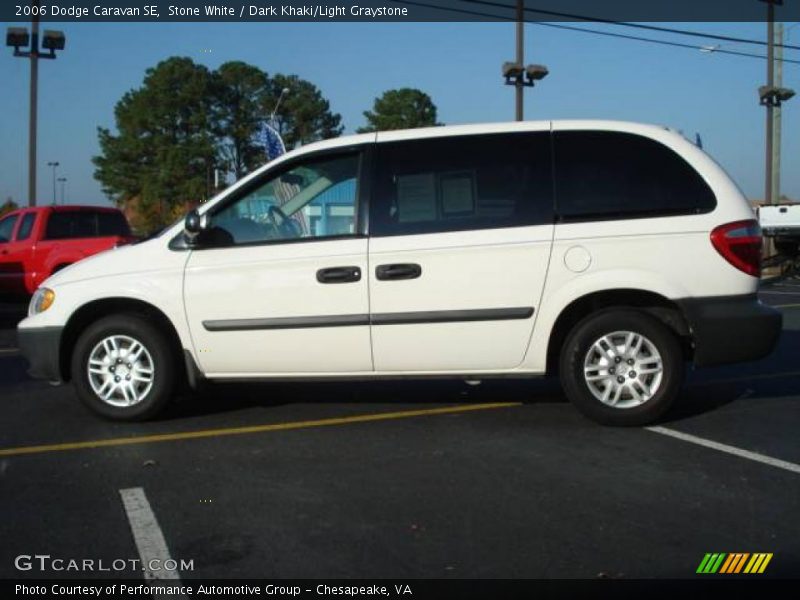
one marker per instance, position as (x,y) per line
(284,91)
(520,77)
(62,181)
(515,72)
(54,164)
(27,46)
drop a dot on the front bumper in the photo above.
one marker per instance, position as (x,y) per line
(730,329)
(41,348)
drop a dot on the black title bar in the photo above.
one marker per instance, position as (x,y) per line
(393,10)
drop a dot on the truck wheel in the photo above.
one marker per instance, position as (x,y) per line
(621,367)
(123,368)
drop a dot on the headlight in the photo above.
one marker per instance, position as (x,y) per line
(42,299)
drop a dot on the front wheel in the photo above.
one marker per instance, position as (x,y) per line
(123,368)
(622,367)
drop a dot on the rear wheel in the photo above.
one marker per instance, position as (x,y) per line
(622,367)
(123,368)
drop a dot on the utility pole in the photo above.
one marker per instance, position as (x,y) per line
(63,182)
(520,57)
(18,37)
(516,73)
(33,108)
(776,119)
(770,105)
(54,164)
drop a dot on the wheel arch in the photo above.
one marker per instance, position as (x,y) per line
(97,309)
(665,310)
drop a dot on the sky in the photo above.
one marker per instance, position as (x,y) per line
(457,64)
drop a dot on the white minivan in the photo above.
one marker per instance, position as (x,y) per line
(608,253)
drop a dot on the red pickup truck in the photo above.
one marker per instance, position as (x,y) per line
(37,242)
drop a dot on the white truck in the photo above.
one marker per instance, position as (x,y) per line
(782,222)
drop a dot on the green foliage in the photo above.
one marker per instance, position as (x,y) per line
(242,94)
(303,116)
(185,121)
(8,206)
(164,151)
(405,108)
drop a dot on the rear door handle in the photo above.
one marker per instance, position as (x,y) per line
(339,275)
(398,271)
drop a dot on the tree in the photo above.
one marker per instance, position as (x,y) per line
(241,94)
(8,206)
(164,150)
(405,108)
(185,120)
(304,115)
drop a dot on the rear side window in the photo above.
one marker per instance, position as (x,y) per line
(84,224)
(25,228)
(461,183)
(612,175)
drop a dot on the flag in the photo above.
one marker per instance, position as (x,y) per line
(272,141)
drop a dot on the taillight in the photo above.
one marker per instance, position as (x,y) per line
(740,244)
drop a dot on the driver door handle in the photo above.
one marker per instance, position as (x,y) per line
(339,275)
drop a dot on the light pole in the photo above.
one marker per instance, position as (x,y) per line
(516,73)
(18,37)
(284,91)
(771,96)
(54,164)
(62,181)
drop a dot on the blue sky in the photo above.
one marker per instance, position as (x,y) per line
(458,64)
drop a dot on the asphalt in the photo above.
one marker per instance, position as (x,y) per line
(524,489)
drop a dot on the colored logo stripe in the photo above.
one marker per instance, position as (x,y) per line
(721,562)
(711,563)
(758,563)
(736,562)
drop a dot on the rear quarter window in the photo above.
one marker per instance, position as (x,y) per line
(612,175)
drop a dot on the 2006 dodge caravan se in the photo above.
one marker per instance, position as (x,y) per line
(609,253)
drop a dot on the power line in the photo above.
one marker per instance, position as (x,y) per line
(593,31)
(711,36)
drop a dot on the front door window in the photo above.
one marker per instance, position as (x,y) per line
(312,200)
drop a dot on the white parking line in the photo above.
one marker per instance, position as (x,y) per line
(147,534)
(755,456)
(9,350)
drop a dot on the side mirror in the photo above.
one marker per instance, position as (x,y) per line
(194,224)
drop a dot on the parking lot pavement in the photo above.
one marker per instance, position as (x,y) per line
(414,479)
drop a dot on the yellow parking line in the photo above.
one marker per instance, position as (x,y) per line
(205,433)
(787,306)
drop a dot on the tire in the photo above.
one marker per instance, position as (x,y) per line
(133,391)
(590,370)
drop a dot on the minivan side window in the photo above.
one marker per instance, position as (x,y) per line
(461,183)
(614,175)
(316,198)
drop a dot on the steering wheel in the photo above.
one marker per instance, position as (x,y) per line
(288,228)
